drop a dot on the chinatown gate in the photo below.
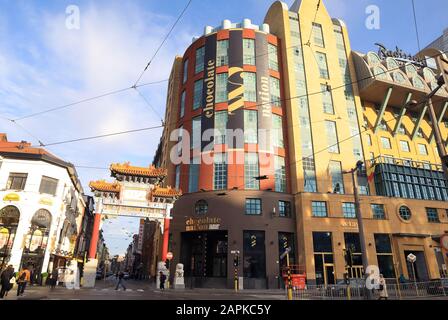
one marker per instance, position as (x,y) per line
(136,192)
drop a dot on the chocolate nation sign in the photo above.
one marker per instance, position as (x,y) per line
(198,224)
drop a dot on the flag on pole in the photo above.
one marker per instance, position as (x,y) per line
(371,172)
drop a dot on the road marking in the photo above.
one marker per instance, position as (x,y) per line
(140,290)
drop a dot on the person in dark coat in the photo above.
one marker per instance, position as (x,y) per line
(162,281)
(120,281)
(5,280)
(54,278)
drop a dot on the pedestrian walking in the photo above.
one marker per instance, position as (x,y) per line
(54,278)
(383,288)
(120,281)
(7,281)
(22,279)
(162,281)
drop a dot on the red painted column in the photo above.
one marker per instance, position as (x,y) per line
(166,237)
(95,235)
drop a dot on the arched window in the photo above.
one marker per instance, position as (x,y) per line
(391,63)
(36,240)
(380,73)
(373,59)
(399,77)
(9,220)
(418,82)
(411,71)
(201,207)
(405,213)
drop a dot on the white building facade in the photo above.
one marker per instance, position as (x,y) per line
(41,207)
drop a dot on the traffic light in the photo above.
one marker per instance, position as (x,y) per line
(236,261)
(443,66)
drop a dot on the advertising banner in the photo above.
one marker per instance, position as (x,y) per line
(209,91)
(235,87)
(263,92)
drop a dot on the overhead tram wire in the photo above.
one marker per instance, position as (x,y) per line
(85,100)
(148,104)
(163,42)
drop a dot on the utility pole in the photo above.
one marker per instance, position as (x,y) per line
(362,240)
(441,80)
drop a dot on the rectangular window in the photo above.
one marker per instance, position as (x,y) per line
(277,131)
(318,35)
(249,51)
(250,126)
(196,136)
(432,215)
(378,211)
(319,209)
(337,180)
(177,182)
(251,171)
(220,170)
(48,185)
(284,209)
(221,87)
(332,136)
(250,86)
(280,174)
(197,98)
(222,56)
(185,71)
(273,57)
(422,149)
(220,127)
(327,100)
(199,60)
(348,208)
(385,143)
(384,255)
(404,145)
(275,91)
(322,242)
(193,183)
(16,181)
(182,104)
(323,66)
(253,206)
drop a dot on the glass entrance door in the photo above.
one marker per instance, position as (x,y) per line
(329,274)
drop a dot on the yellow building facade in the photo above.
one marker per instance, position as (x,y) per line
(343,106)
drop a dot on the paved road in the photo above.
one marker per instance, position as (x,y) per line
(142,290)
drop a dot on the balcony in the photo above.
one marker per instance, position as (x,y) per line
(403,178)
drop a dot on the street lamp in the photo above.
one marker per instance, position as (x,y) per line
(353,172)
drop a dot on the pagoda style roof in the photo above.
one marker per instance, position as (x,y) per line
(102,185)
(166,192)
(127,169)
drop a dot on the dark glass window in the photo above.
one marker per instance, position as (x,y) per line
(382,243)
(16,181)
(254,264)
(253,206)
(48,185)
(378,211)
(405,213)
(319,208)
(322,242)
(432,215)
(348,208)
(201,207)
(284,209)
(352,241)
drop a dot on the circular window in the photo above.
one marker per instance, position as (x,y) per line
(201,207)
(405,213)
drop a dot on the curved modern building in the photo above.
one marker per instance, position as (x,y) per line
(262,122)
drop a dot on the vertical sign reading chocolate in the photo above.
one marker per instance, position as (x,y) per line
(209,87)
(235,86)
(263,92)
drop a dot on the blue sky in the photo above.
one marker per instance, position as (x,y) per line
(43,64)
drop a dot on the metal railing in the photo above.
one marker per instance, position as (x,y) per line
(409,290)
